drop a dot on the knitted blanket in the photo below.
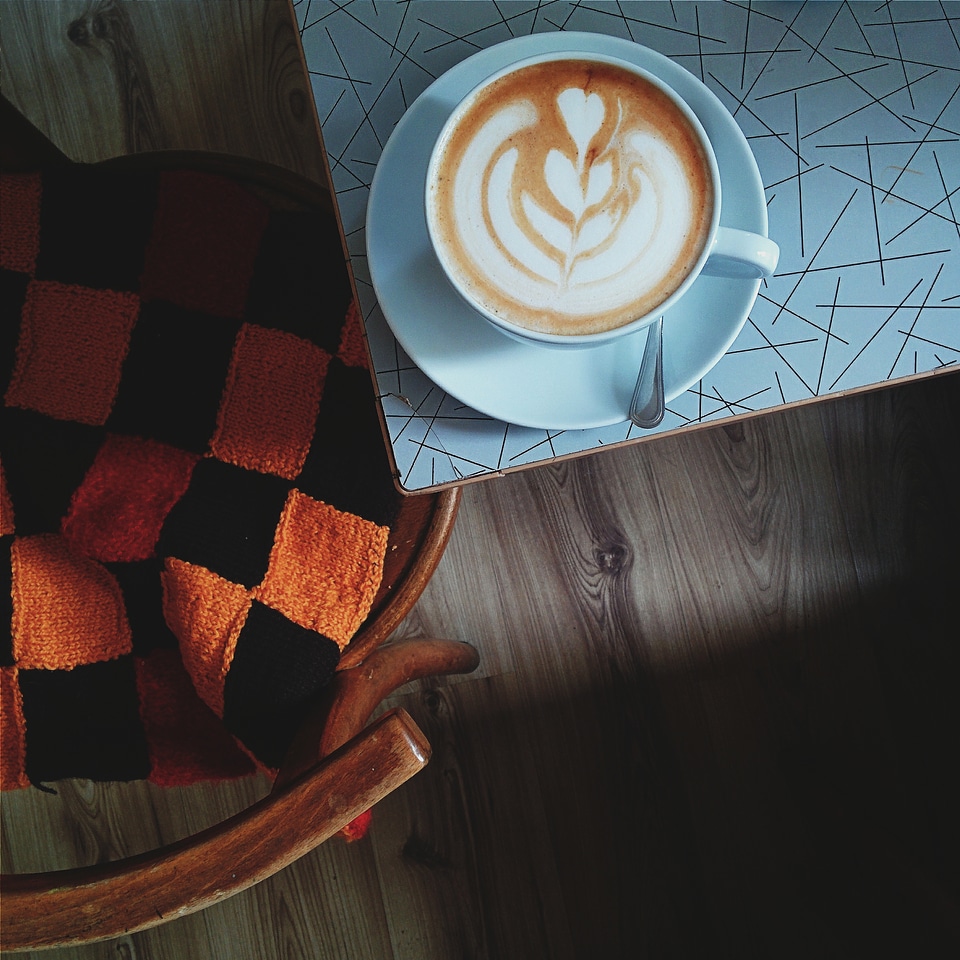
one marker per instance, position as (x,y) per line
(195,497)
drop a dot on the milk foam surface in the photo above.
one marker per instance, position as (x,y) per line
(572,197)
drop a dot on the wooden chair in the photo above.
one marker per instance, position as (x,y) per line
(336,769)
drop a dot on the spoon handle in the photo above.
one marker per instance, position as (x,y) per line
(647,404)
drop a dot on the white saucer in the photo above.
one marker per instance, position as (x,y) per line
(526,384)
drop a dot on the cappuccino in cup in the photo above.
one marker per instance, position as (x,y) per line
(572,197)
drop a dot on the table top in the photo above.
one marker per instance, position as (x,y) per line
(852,113)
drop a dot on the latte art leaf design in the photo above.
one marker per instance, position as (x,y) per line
(581,182)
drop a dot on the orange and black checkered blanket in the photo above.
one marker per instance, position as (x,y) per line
(195,492)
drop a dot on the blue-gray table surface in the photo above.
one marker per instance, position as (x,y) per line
(852,111)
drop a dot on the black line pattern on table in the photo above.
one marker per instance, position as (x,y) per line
(930,127)
(818,83)
(853,112)
(549,437)
(889,194)
(430,445)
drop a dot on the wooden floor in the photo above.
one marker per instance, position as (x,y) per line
(717,710)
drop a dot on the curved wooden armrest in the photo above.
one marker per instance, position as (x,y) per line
(108,900)
(358,692)
(354,694)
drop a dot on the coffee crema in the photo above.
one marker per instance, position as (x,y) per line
(572,197)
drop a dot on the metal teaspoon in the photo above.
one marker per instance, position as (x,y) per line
(647,404)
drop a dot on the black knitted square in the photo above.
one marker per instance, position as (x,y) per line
(348,432)
(94,224)
(226,521)
(84,722)
(142,591)
(277,668)
(13,292)
(44,461)
(300,281)
(173,376)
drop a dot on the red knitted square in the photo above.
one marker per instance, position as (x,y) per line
(6,507)
(50,584)
(69,356)
(187,742)
(118,510)
(13,730)
(20,221)
(270,402)
(203,247)
(325,567)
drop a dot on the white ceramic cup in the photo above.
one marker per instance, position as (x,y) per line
(524,231)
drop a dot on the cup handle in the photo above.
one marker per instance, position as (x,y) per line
(741,254)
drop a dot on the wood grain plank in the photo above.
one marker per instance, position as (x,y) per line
(553,573)
(623,879)
(466,863)
(897,463)
(105,78)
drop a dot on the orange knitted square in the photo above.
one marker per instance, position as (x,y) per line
(270,402)
(12,732)
(325,567)
(50,583)
(206,613)
(20,221)
(73,341)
